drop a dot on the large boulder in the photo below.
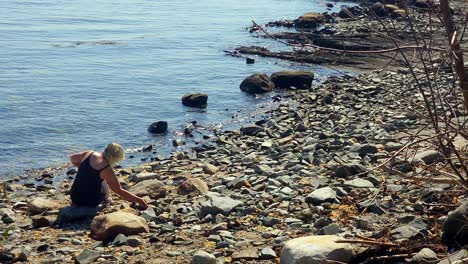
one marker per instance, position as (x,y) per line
(152,188)
(455,227)
(40,205)
(257,84)
(316,250)
(199,100)
(288,79)
(159,127)
(309,20)
(107,227)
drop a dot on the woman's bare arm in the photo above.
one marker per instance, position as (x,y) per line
(76,158)
(109,176)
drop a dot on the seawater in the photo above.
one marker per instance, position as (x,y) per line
(77,75)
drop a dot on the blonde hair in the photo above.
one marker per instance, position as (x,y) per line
(113,153)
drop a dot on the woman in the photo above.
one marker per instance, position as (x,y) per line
(94,172)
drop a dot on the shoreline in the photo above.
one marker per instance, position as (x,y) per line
(312,167)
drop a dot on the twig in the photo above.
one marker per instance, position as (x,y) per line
(368,242)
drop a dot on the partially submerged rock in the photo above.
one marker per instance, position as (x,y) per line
(296,79)
(198,100)
(159,127)
(257,84)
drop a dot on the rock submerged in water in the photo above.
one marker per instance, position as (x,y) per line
(107,227)
(257,84)
(198,100)
(288,79)
(159,127)
(316,250)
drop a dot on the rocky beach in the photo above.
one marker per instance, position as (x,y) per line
(344,171)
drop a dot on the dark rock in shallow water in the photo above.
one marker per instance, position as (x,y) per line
(288,79)
(455,227)
(159,127)
(199,100)
(257,84)
(249,61)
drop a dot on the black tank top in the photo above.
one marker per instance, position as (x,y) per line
(87,187)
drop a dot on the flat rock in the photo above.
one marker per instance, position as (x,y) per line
(152,188)
(267,253)
(424,256)
(202,257)
(316,250)
(143,176)
(107,227)
(75,213)
(359,183)
(455,227)
(406,232)
(39,205)
(245,254)
(322,195)
(218,204)
(87,256)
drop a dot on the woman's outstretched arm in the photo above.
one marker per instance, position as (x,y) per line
(109,176)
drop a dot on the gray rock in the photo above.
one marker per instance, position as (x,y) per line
(143,176)
(322,195)
(359,183)
(429,156)
(263,170)
(202,257)
(87,256)
(331,229)
(455,227)
(270,221)
(149,214)
(120,240)
(257,84)
(372,206)
(74,213)
(392,146)
(210,169)
(407,232)
(218,204)
(424,256)
(267,253)
(316,250)
(453,258)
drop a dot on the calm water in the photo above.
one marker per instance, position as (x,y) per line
(76,75)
